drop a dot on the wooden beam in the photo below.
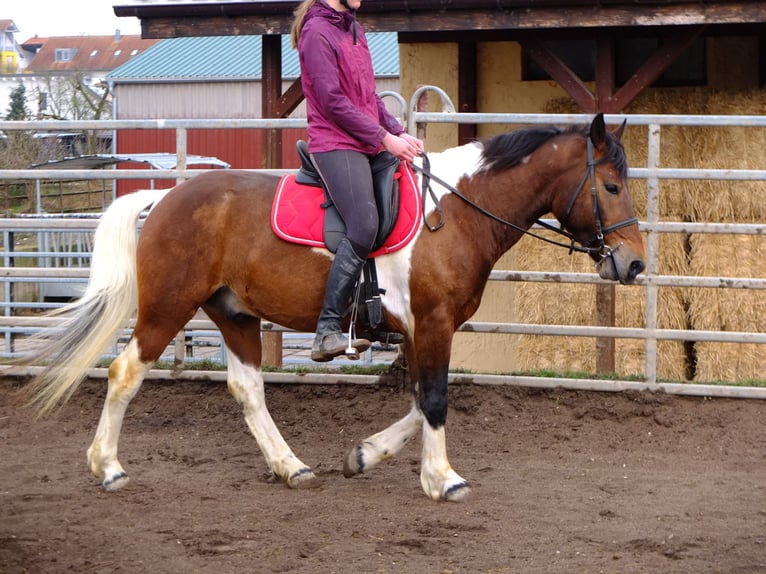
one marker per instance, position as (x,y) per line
(653,68)
(605,69)
(560,72)
(271,90)
(466,88)
(289,100)
(605,316)
(529,18)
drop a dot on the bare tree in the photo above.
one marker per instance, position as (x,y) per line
(72,97)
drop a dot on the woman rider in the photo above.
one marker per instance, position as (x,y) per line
(348,124)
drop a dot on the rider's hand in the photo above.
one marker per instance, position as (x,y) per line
(405,147)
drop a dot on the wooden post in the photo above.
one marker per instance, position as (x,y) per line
(605,318)
(271,90)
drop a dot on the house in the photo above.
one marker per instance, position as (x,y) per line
(11,57)
(212,78)
(50,69)
(61,63)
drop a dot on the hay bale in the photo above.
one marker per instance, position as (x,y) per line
(679,254)
(678,308)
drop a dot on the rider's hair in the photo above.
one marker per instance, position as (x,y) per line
(300,16)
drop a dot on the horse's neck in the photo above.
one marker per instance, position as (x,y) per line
(452,164)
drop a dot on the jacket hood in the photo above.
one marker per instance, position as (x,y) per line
(321,9)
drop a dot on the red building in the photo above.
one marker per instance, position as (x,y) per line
(216,78)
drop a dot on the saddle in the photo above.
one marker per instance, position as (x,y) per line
(384,166)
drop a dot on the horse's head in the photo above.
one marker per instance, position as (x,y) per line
(598,212)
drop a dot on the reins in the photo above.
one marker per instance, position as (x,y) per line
(602,249)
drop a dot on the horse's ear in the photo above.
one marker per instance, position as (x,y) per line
(598,131)
(619,131)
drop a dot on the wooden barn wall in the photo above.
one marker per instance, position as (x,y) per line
(242,148)
(500,89)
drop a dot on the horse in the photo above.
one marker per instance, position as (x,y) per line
(207,243)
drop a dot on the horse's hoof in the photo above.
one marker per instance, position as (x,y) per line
(116,482)
(354,462)
(457,492)
(303,478)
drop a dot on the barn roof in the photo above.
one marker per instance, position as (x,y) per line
(184,18)
(232,58)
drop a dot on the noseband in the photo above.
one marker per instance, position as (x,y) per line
(596,246)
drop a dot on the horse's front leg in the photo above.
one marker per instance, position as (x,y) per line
(438,479)
(245,382)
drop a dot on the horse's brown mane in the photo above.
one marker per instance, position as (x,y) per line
(507,150)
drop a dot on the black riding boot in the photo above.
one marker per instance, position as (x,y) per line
(344,272)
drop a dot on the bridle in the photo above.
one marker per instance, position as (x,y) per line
(595,247)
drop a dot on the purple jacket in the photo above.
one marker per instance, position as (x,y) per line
(344,112)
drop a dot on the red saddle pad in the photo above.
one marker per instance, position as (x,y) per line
(297,215)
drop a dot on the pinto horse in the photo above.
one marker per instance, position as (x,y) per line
(208,243)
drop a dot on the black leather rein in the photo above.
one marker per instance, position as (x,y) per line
(600,247)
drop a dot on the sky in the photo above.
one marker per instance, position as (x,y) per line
(46,18)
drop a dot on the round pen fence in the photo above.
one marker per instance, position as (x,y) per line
(695,315)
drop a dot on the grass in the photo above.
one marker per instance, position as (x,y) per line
(383,368)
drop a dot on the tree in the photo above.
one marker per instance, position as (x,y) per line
(17,110)
(72,97)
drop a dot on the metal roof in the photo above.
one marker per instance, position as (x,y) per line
(231,58)
(155,160)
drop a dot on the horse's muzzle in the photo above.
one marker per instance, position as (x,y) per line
(620,265)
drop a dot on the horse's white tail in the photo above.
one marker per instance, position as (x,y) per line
(88,326)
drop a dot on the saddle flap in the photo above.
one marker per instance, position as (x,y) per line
(386,185)
(307,174)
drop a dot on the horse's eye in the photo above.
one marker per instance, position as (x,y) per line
(612,188)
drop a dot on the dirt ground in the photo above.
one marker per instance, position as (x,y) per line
(563,481)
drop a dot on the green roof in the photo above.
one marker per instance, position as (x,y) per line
(230,58)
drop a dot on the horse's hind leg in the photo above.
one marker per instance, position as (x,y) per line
(242,333)
(125,376)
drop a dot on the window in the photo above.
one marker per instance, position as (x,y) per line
(42,101)
(578,55)
(117,53)
(64,54)
(93,53)
(689,69)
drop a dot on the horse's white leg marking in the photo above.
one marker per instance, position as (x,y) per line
(246,384)
(383,445)
(437,478)
(125,376)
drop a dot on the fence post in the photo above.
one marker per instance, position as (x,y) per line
(652,253)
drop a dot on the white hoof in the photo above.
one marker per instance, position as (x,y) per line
(447,486)
(115,482)
(301,478)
